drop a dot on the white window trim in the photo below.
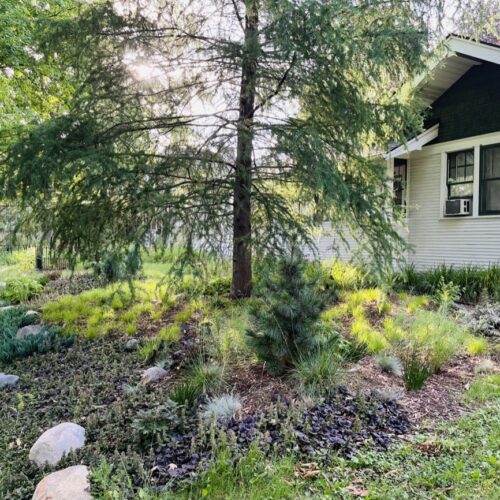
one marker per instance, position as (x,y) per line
(460,145)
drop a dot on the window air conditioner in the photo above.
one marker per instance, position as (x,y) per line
(461,206)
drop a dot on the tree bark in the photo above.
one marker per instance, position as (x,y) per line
(242,213)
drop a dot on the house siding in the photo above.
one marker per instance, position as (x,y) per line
(457,241)
(330,245)
(470,107)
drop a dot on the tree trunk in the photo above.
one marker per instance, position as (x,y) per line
(242,214)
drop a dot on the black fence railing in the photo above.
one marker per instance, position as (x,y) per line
(47,260)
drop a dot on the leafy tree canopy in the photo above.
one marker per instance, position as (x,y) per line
(252,118)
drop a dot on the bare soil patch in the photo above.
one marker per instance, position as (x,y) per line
(439,400)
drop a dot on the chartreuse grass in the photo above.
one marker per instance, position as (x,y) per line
(422,339)
(172,333)
(115,308)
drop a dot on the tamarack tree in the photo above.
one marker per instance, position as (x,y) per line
(251,118)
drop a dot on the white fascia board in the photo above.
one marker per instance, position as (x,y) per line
(473,49)
(416,143)
(456,46)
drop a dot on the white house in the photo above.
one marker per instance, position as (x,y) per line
(448,178)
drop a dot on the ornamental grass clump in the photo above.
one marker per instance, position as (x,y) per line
(285,315)
(472,282)
(317,374)
(424,343)
(18,290)
(389,364)
(222,407)
(201,378)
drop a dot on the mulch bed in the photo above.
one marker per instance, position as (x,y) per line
(439,400)
(257,389)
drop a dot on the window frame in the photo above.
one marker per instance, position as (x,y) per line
(449,184)
(483,181)
(403,183)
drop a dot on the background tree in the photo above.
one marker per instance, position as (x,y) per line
(254,118)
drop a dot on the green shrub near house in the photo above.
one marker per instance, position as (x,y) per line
(473,283)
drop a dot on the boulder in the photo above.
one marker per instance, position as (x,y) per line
(6,380)
(56,442)
(28,331)
(153,374)
(66,484)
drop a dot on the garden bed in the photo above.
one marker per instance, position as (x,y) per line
(338,407)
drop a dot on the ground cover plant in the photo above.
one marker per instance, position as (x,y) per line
(218,405)
(12,347)
(113,308)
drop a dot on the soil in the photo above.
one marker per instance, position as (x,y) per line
(440,399)
(257,389)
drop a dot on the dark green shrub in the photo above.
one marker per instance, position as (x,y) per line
(473,282)
(11,347)
(285,314)
(119,264)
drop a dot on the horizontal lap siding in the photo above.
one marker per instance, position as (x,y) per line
(330,245)
(454,241)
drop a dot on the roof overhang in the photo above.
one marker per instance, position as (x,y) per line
(455,58)
(416,143)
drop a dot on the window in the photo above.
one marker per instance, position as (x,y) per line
(399,183)
(490,180)
(460,174)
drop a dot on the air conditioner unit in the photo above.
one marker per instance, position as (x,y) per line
(461,206)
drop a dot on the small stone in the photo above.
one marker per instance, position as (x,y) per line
(153,374)
(71,483)
(56,442)
(132,345)
(6,308)
(6,380)
(32,312)
(28,331)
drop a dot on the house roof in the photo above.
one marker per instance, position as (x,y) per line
(416,143)
(454,59)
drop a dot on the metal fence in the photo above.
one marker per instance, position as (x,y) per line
(47,260)
(44,259)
